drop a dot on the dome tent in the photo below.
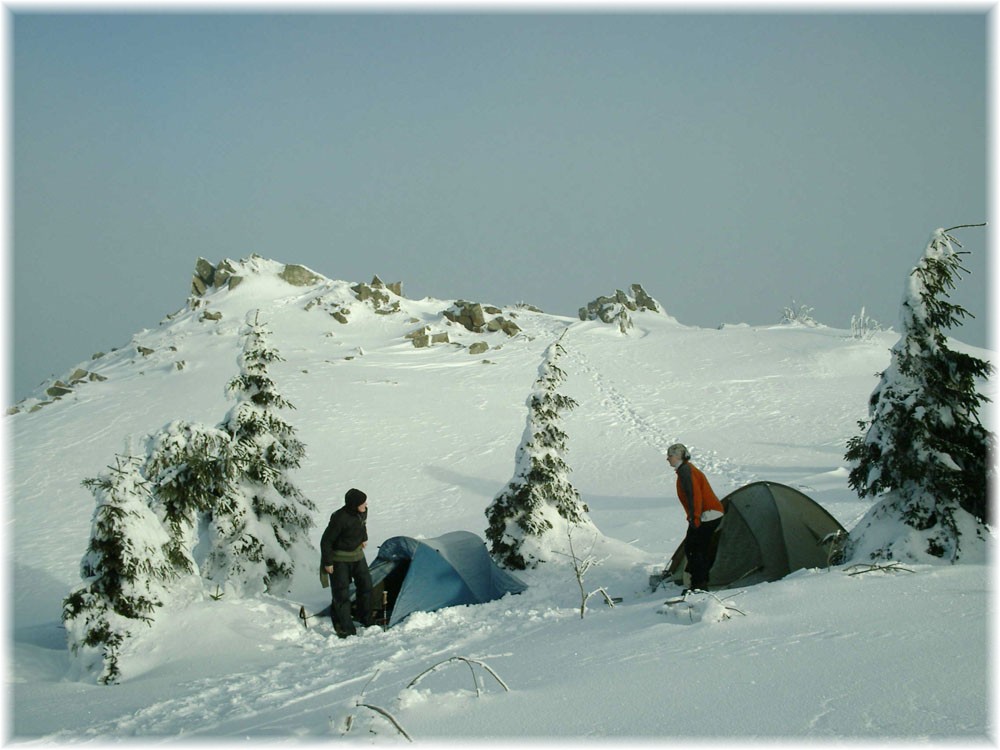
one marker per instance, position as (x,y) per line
(425,575)
(769,530)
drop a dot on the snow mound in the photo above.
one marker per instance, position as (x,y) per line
(698,607)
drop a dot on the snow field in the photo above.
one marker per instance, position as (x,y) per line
(430,435)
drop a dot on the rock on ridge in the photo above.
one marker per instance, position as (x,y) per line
(379,294)
(616,309)
(206,276)
(228,274)
(472,317)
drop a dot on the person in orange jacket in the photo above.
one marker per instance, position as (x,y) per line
(704,514)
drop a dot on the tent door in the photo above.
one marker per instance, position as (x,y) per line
(386,591)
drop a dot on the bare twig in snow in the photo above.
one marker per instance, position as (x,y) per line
(389,716)
(469,662)
(580,568)
(349,722)
(892,567)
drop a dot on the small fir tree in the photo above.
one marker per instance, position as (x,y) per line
(236,560)
(923,450)
(523,518)
(125,571)
(190,473)
(218,507)
(267,516)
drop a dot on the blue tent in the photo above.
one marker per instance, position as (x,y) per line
(424,575)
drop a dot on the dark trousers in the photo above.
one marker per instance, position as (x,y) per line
(340,584)
(698,548)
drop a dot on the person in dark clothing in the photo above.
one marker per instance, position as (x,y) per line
(704,514)
(342,550)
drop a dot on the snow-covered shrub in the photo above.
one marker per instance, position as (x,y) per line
(267,516)
(532,514)
(863,326)
(923,451)
(798,315)
(125,571)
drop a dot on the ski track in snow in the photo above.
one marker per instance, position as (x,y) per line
(644,428)
(311,683)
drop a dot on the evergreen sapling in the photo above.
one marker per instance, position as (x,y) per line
(125,571)
(531,515)
(190,472)
(218,507)
(923,451)
(267,516)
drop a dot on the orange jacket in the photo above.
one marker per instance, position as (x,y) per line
(704,498)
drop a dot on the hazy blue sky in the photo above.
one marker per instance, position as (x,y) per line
(727,162)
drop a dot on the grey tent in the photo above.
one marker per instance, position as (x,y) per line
(424,575)
(768,531)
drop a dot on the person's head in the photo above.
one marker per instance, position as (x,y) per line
(677,454)
(356,500)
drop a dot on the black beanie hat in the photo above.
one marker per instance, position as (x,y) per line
(355,498)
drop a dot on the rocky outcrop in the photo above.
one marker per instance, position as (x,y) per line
(337,312)
(299,275)
(616,309)
(226,275)
(207,277)
(425,336)
(472,317)
(380,295)
(61,387)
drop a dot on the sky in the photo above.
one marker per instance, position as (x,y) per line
(733,163)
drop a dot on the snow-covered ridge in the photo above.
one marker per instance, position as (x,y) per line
(219,295)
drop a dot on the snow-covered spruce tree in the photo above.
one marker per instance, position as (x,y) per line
(190,472)
(125,571)
(923,451)
(267,516)
(531,515)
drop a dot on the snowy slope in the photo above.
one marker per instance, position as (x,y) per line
(430,434)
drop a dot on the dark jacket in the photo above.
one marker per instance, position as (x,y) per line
(343,537)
